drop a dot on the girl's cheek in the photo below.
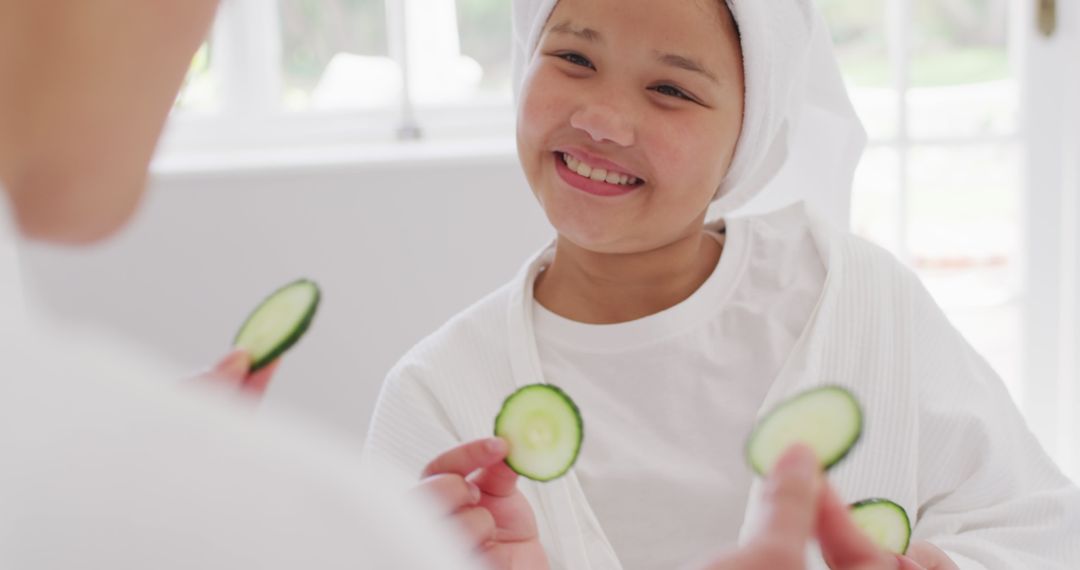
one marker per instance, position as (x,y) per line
(539,103)
(665,147)
(532,123)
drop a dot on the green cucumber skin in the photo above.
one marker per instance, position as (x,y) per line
(577,416)
(879,501)
(830,464)
(298,331)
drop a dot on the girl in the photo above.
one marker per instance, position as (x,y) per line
(672,334)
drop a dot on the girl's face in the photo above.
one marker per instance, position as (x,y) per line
(629,117)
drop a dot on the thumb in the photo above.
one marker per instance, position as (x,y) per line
(792,492)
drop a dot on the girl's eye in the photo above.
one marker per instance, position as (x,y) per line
(577,59)
(671,91)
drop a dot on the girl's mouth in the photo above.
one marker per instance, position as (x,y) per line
(594,180)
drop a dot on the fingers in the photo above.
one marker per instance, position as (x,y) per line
(468,457)
(257,383)
(930,556)
(798,501)
(790,502)
(477,524)
(233,368)
(909,564)
(450,491)
(445,479)
(792,497)
(497,480)
(842,543)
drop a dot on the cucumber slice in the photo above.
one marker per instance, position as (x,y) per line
(828,419)
(544,429)
(885,522)
(278,322)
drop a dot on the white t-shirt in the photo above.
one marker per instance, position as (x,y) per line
(106,463)
(671,397)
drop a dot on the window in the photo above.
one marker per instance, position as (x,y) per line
(971,179)
(316,72)
(942,185)
(335,54)
(484,26)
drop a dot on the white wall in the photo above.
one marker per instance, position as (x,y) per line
(397,245)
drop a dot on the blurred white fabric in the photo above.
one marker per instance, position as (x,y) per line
(109,463)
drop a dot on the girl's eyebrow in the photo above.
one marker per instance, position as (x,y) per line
(683,62)
(587,34)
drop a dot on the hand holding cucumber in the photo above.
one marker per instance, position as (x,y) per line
(270,330)
(278,322)
(478,492)
(829,421)
(235,370)
(544,429)
(538,435)
(799,506)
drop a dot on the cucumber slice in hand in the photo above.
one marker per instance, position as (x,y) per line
(885,522)
(278,322)
(544,429)
(827,419)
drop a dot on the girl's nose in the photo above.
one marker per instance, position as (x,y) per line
(603,123)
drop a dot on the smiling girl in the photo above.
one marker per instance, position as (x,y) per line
(672,332)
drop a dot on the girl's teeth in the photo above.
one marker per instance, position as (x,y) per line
(597,174)
(583,169)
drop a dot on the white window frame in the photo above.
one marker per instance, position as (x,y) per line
(899,27)
(249,118)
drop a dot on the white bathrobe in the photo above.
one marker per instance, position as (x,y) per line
(942,437)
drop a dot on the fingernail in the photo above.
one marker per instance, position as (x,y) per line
(496,445)
(799,461)
(474,493)
(902,561)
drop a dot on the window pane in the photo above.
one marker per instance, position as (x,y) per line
(964,203)
(961,79)
(965,241)
(335,55)
(484,27)
(859,34)
(199,91)
(459,51)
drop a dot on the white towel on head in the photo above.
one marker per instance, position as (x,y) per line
(801,139)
